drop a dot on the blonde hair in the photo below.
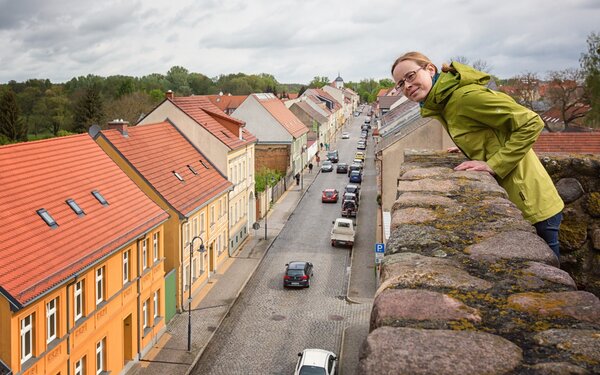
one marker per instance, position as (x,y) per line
(422,61)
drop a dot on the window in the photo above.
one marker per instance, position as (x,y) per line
(220,208)
(125,267)
(194,227)
(156,305)
(194,268)
(47,218)
(80,366)
(202,223)
(212,214)
(186,275)
(51,320)
(204,164)
(78,298)
(75,207)
(100,198)
(144,254)
(192,169)
(155,246)
(178,176)
(99,285)
(186,234)
(26,338)
(145,314)
(100,357)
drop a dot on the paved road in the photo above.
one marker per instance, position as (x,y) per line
(268,325)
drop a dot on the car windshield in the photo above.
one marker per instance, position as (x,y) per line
(295,272)
(327,162)
(329,193)
(312,370)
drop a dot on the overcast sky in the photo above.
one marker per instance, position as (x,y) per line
(294,40)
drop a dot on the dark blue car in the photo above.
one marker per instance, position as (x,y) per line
(356,177)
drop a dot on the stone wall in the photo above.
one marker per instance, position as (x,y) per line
(577,178)
(274,156)
(467,287)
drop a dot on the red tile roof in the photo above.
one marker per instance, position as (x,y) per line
(282,114)
(227,102)
(554,114)
(35,258)
(578,143)
(324,94)
(209,116)
(156,150)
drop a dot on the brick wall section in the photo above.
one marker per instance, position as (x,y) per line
(467,287)
(578,143)
(275,157)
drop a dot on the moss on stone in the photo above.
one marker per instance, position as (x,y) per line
(573,233)
(593,204)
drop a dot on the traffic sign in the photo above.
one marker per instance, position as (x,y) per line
(380,248)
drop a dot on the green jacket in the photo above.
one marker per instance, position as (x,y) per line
(490,126)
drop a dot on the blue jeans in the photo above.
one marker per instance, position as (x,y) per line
(548,230)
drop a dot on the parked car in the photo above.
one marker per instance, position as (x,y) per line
(345,135)
(330,196)
(341,168)
(349,208)
(361,146)
(333,156)
(316,361)
(342,232)
(327,166)
(354,167)
(351,188)
(355,176)
(359,155)
(350,197)
(359,161)
(298,273)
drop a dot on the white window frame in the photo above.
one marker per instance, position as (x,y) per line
(144,254)
(99,285)
(156,306)
(194,267)
(51,320)
(194,227)
(212,214)
(26,334)
(125,267)
(100,357)
(155,251)
(145,315)
(202,223)
(186,235)
(80,366)
(78,308)
(186,276)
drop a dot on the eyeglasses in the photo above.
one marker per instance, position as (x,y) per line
(408,77)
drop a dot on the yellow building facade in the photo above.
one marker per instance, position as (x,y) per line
(98,320)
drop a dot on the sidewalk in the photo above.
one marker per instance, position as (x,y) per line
(169,355)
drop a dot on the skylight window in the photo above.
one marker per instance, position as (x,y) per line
(75,207)
(204,165)
(47,218)
(192,169)
(178,176)
(100,198)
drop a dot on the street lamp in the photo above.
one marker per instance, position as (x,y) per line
(200,250)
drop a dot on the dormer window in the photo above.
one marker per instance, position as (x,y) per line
(192,169)
(204,165)
(99,197)
(47,218)
(75,207)
(178,176)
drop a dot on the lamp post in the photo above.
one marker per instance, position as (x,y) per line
(302,167)
(201,250)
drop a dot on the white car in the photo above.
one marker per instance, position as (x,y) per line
(316,362)
(345,135)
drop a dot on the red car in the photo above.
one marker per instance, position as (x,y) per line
(330,196)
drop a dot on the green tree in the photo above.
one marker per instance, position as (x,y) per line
(318,82)
(58,108)
(11,125)
(177,77)
(201,84)
(89,110)
(590,64)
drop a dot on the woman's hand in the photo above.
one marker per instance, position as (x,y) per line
(475,165)
(452,150)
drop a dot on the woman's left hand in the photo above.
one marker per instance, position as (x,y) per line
(475,165)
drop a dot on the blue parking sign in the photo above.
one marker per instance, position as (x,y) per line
(380,248)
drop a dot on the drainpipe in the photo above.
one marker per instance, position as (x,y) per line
(139,280)
(68,327)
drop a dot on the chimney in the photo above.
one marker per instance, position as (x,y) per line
(169,95)
(120,125)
